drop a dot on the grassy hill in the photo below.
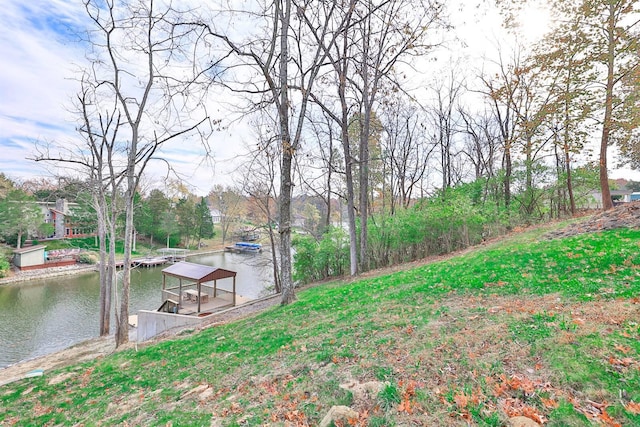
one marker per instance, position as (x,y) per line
(546,329)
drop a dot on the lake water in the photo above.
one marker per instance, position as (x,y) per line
(43,316)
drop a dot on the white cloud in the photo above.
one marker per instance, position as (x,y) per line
(42,53)
(34,80)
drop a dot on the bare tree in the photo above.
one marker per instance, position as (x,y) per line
(369,41)
(387,34)
(444,118)
(406,150)
(97,158)
(287,68)
(132,102)
(260,177)
(500,90)
(318,166)
(481,144)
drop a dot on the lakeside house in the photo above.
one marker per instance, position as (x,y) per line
(61,215)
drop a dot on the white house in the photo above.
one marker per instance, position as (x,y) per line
(216,216)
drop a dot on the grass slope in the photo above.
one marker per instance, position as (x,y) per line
(545,329)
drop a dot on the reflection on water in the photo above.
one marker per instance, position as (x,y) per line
(43,316)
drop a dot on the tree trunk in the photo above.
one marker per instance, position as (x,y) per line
(288,291)
(507,173)
(607,203)
(572,202)
(348,160)
(364,189)
(274,259)
(105,292)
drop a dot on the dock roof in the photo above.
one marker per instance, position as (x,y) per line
(197,272)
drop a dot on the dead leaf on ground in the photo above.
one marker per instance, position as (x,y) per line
(633,407)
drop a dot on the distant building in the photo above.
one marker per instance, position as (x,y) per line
(216,216)
(60,215)
(617,196)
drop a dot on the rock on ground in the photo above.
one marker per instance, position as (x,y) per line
(342,413)
(522,422)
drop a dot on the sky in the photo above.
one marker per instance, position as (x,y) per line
(41,55)
(40,58)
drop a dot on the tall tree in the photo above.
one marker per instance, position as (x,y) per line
(132,77)
(387,34)
(370,39)
(501,89)
(605,32)
(204,222)
(559,55)
(613,39)
(286,65)
(150,120)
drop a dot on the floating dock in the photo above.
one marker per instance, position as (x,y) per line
(244,247)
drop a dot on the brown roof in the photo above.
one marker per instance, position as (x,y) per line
(197,272)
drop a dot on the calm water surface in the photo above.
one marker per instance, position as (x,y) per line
(43,316)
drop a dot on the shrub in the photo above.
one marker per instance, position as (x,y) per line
(320,259)
(87,258)
(4,267)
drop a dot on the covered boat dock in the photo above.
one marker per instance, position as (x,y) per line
(188,303)
(197,288)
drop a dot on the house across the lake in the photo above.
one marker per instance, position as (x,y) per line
(61,215)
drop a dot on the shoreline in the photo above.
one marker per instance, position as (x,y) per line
(97,347)
(19,276)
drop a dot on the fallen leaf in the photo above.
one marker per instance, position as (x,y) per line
(622,348)
(461,400)
(633,407)
(606,418)
(405,406)
(549,403)
(530,412)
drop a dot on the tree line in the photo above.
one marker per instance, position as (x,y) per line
(181,220)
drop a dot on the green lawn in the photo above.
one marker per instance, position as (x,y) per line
(547,329)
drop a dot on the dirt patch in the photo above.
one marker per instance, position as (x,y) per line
(83,352)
